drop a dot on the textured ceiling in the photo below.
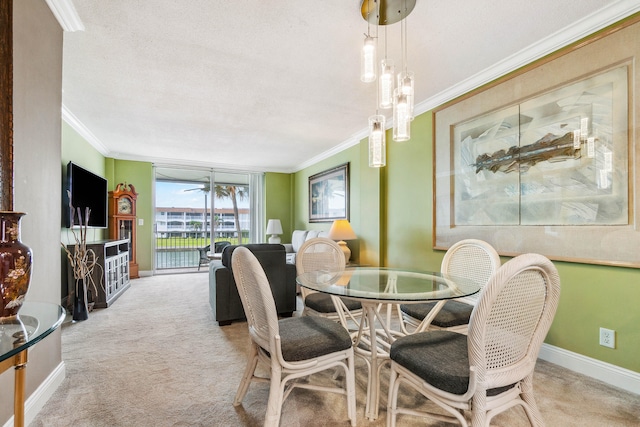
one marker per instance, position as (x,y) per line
(257,85)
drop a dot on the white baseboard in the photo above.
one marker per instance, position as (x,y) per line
(43,393)
(145,273)
(611,374)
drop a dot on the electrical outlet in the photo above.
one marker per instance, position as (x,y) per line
(607,338)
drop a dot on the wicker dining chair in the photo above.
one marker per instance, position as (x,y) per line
(473,377)
(293,348)
(323,254)
(470,259)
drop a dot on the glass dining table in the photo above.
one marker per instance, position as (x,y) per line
(378,290)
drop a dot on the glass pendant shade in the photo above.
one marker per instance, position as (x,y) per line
(405,84)
(387,73)
(368,60)
(377,142)
(401,117)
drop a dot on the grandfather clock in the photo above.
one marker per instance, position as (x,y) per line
(122,220)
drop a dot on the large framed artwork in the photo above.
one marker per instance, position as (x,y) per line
(545,161)
(329,194)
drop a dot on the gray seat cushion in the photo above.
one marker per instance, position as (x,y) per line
(311,336)
(440,358)
(453,313)
(322,303)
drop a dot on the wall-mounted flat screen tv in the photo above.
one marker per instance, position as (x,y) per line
(87,190)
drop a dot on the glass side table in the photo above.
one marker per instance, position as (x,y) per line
(35,321)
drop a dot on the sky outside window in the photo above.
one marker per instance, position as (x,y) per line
(176,195)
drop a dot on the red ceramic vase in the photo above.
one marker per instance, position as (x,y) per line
(15,264)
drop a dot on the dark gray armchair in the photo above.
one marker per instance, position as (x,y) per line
(223,293)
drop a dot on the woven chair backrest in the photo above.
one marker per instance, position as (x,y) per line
(257,299)
(319,254)
(512,318)
(471,259)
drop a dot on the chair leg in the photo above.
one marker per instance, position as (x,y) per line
(252,362)
(479,411)
(392,400)
(351,388)
(276,396)
(530,406)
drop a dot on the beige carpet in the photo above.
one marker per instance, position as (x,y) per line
(157,358)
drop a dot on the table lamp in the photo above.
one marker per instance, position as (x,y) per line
(341,230)
(275,229)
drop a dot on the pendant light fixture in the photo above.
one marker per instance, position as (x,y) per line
(387,78)
(391,90)
(401,117)
(403,95)
(377,128)
(377,141)
(368,58)
(405,77)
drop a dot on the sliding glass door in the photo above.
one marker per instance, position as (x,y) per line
(199,211)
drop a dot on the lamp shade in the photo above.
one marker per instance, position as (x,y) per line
(341,230)
(275,229)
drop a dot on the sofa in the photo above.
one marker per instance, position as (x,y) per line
(223,293)
(298,237)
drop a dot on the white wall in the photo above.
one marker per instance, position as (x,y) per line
(37,99)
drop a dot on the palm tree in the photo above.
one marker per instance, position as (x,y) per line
(196,225)
(206,188)
(235,193)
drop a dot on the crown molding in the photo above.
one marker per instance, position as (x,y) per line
(95,142)
(580,29)
(79,127)
(166,161)
(596,21)
(353,140)
(66,14)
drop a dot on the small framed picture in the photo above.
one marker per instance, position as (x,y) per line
(329,195)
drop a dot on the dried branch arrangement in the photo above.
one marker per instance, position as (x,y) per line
(82,260)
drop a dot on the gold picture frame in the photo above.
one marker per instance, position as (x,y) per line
(544,159)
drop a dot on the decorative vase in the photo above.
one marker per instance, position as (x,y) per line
(80,306)
(15,264)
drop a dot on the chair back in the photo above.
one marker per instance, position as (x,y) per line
(257,299)
(319,254)
(511,319)
(471,259)
(203,253)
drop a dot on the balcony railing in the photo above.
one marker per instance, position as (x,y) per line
(183,252)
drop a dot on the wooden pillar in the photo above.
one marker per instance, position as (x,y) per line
(6,105)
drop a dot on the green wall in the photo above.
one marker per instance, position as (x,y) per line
(140,175)
(364,209)
(278,187)
(75,148)
(409,199)
(593,296)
